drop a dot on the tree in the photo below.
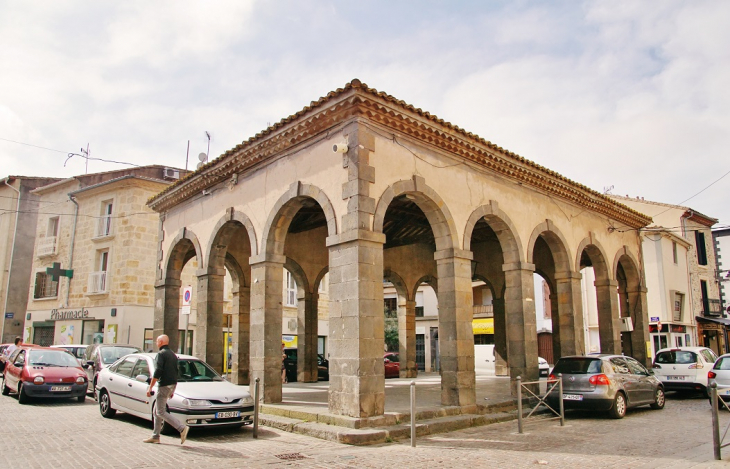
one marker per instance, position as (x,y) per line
(391,330)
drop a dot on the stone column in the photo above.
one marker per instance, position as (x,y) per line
(609,324)
(456,333)
(570,314)
(519,305)
(209,334)
(267,282)
(167,310)
(407,338)
(307,337)
(241,335)
(501,367)
(639,315)
(357,335)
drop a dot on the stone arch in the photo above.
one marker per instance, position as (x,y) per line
(503,227)
(179,253)
(429,280)
(487,283)
(626,258)
(283,211)
(319,278)
(597,255)
(632,304)
(557,243)
(401,288)
(430,203)
(299,276)
(223,230)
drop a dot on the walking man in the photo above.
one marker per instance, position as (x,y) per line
(166,374)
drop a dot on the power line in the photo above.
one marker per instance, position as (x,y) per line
(71,154)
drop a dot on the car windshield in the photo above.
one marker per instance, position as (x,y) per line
(723,363)
(112,354)
(676,357)
(577,366)
(195,370)
(51,358)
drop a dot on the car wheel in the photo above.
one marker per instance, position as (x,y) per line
(166,427)
(105,406)
(619,406)
(658,399)
(6,389)
(22,396)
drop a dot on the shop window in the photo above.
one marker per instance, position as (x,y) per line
(92,332)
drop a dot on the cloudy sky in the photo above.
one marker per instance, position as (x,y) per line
(630,95)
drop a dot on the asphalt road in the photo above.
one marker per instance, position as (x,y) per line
(67,434)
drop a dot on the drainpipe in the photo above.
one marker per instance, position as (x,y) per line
(12,252)
(71,250)
(693,321)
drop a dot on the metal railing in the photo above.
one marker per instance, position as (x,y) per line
(541,400)
(104,226)
(47,246)
(97,282)
(717,440)
(484,310)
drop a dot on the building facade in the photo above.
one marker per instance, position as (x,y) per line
(721,238)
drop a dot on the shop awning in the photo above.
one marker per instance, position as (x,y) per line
(705,319)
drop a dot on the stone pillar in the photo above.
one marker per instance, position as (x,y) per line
(519,305)
(357,325)
(501,367)
(570,314)
(609,324)
(307,337)
(209,334)
(639,316)
(167,311)
(456,333)
(241,335)
(266,321)
(407,338)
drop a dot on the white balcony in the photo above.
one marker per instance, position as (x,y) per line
(104,226)
(484,311)
(97,283)
(47,246)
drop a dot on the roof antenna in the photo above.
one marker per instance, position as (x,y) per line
(208,135)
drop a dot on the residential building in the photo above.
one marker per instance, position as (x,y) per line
(92,274)
(721,238)
(19,209)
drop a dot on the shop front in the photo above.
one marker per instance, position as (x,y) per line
(713,333)
(671,335)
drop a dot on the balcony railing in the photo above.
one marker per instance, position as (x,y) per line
(104,226)
(97,282)
(484,310)
(47,246)
(713,307)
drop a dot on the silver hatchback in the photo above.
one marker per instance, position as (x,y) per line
(612,383)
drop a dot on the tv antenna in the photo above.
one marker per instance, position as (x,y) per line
(607,189)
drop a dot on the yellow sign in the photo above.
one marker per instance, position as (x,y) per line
(483,326)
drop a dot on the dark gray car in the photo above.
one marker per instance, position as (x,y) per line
(612,383)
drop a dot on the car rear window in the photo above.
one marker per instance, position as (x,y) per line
(676,357)
(577,366)
(722,363)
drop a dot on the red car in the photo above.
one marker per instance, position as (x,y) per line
(392,365)
(43,372)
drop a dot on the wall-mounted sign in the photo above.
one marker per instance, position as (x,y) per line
(9,315)
(187,298)
(60,315)
(654,319)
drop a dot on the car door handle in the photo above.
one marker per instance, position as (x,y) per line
(129,384)
(111,379)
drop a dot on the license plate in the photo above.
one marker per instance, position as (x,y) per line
(60,388)
(675,378)
(572,397)
(227,415)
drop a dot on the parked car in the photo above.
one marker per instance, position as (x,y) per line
(720,374)
(3,358)
(543,367)
(612,383)
(77,350)
(684,368)
(43,372)
(392,365)
(290,363)
(99,356)
(202,397)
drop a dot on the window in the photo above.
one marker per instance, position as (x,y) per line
(674,251)
(52,227)
(636,367)
(141,368)
(188,344)
(705,300)
(104,226)
(391,304)
(126,366)
(149,341)
(45,287)
(701,248)
(98,279)
(290,292)
(93,332)
(324,283)
(619,365)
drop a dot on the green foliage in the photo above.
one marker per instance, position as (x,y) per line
(391,329)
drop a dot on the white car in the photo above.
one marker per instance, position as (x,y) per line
(684,368)
(77,350)
(202,397)
(720,374)
(543,367)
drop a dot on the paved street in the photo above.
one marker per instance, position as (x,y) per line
(66,434)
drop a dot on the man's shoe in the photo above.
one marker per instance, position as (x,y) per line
(184,434)
(152,439)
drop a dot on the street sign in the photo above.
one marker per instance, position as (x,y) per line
(654,319)
(187,298)
(9,315)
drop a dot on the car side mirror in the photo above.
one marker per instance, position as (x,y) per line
(89,364)
(18,364)
(142,378)
(386,360)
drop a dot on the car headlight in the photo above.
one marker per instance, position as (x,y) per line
(39,380)
(80,380)
(196,402)
(247,400)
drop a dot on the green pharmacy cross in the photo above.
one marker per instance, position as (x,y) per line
(56,271)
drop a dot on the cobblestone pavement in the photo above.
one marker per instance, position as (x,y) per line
(67,434)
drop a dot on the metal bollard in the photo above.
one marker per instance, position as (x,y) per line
(715,421)
(256,409)
(413,414)
(560,399)
(519,404)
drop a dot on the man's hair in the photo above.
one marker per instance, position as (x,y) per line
(17,340)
